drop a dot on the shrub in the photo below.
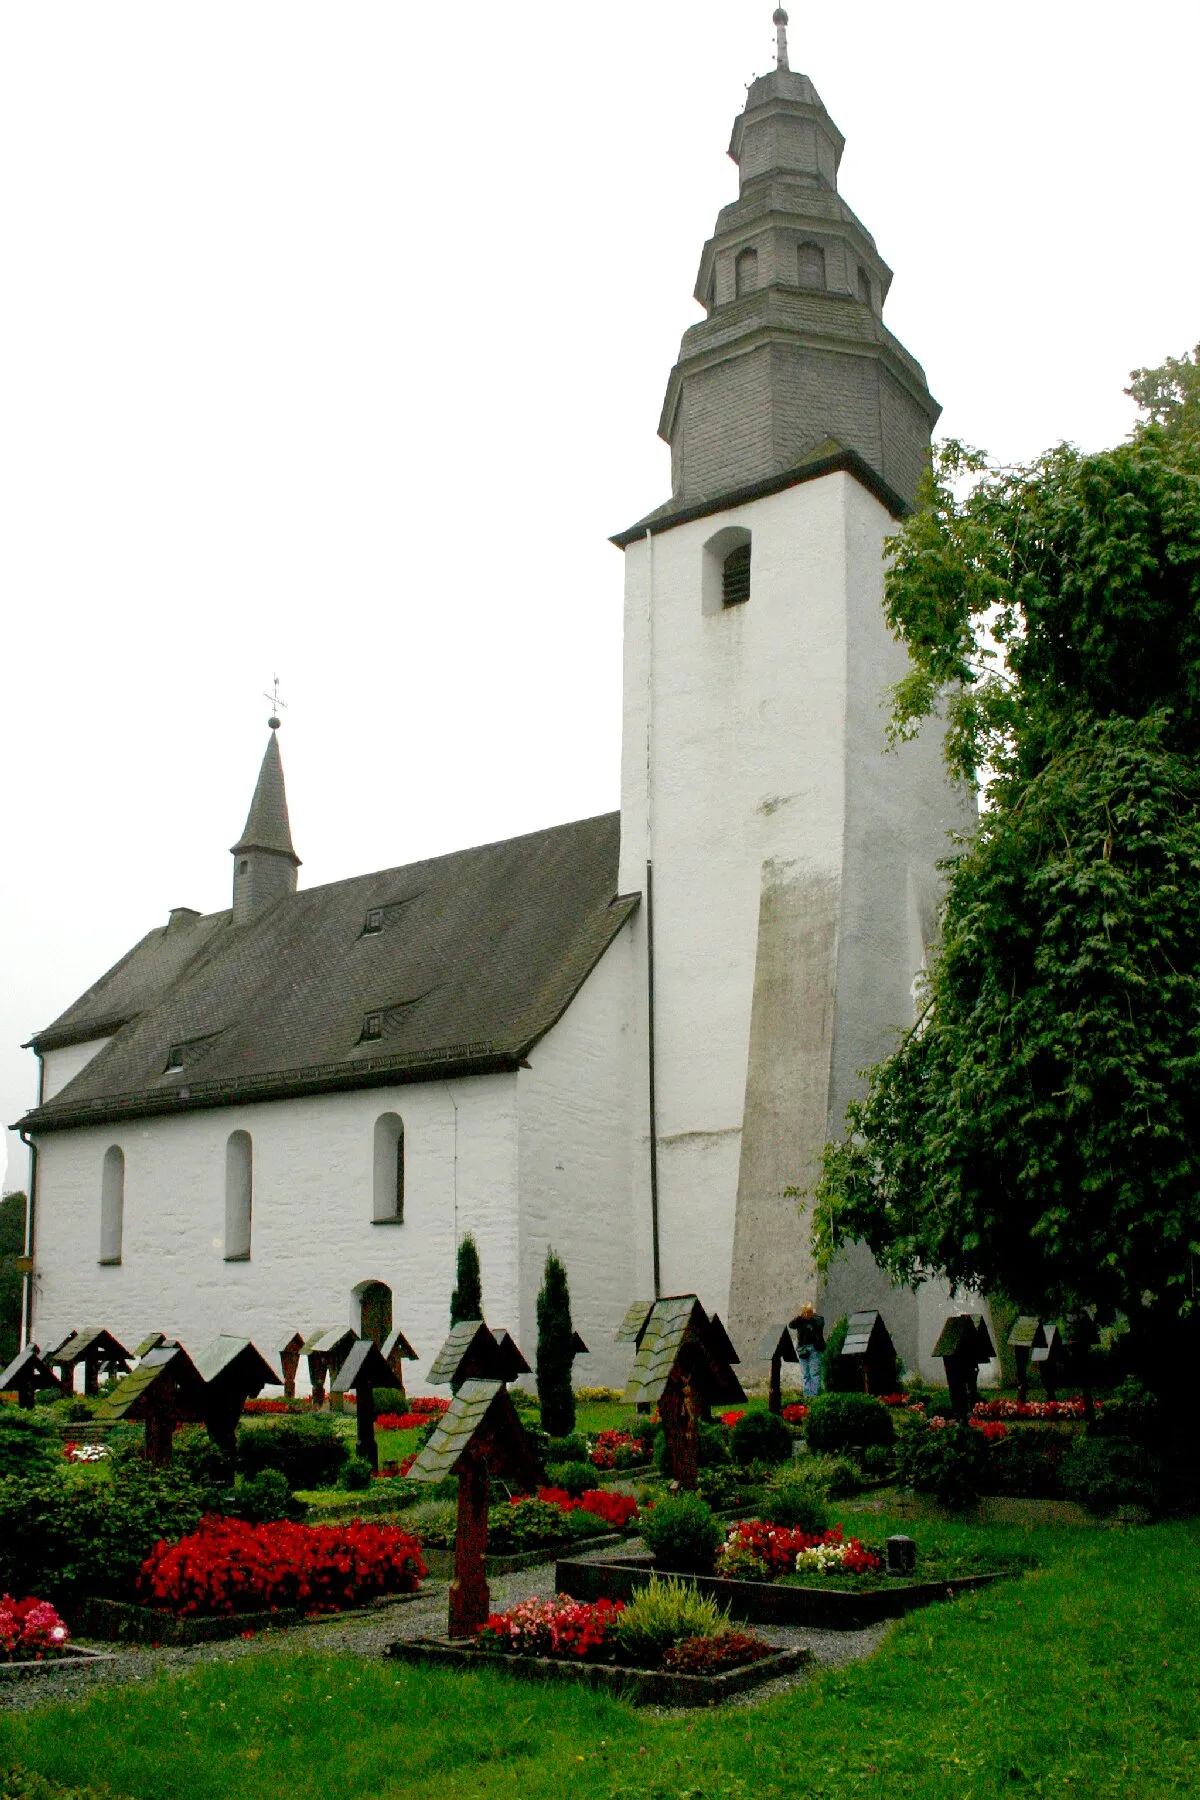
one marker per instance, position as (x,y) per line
(833,1375)
(661,1614)
(567,1449)
(29,1445)
(87,1531)
(354,1474)
(305,1449)
(466,1302)
(1108,1473)
(795,1498)
(836,1421)
(599,1393)
(761,1437)
(620,1449)
(837,1475)
(1132,1412)
(948,1461)
(555,1349)
(876,1460)
(724,1488)
(387,1400)
(1027,1463)
(526,1404)
(199,1460)
(263,1497)
(530,1524)
(227,1566)
(682,1532)
(728,1649)
(576,1477)
(30,1630)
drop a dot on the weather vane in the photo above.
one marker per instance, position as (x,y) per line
(275,721)
(779,20)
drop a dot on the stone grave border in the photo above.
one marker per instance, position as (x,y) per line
(125,1622)
(73,1656)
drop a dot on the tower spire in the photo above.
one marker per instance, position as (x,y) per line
(265,862)
(780,21)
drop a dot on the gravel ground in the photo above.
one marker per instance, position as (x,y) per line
(367,1634)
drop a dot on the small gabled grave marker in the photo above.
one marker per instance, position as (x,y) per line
(470,1353)
(870,1352)
(26,1375)
(396,1351)
(362,1371)
(512,1363)
(289,1350)
(963,1343)
(777,1348)
(165,1390)
(478,1438)
(318,1369)
(678,1366)
(96,1349)
(232,1371)
(1026,1336)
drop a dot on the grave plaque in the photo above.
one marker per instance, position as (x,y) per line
(361,1373)
(478,1438)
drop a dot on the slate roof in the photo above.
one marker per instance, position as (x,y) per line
(173,1368)
(363,1367)
(479,954)
(267,825)
(455,1429)
(236,1364)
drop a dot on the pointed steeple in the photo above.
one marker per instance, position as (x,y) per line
(265,863)
(794,351)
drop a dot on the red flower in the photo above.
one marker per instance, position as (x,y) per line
(795,1414)
(227,1566)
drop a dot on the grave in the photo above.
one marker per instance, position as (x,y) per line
(777,1348)
(289,1350)
(232,1371)
(362,1371)
(96,1349)
(512,1363)
(478,1438)
(682,1366)
(27,1375)
(868,1353)
(326,1351)
(470,1353)
(963,1343)
(165,1391)
(396,1351)
(1026,1336)
(1066,1357)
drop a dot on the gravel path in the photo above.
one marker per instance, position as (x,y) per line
(367,1634)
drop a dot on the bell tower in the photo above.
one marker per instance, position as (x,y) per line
(264,862)
(787,860)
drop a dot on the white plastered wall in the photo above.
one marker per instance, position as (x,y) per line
(313,1241)
(576,1194)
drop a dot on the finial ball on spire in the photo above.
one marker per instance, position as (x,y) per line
(779,17)
(274,722)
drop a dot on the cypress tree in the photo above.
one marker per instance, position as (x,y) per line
(555,1350)
(466,1302)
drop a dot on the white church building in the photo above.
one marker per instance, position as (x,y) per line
(624,1037)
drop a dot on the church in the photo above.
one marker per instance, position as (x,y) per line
(626,1036)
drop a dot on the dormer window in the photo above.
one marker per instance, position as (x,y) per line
(373,924)
(174,1059)
(372,1027)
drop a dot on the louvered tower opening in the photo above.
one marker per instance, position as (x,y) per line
(735,576)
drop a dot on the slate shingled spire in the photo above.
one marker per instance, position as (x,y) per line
(265,864)
(793,358)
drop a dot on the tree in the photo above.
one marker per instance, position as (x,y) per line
(1036,1133)
(466,1302)
(12,1243)
(555,1350)
(1170,395)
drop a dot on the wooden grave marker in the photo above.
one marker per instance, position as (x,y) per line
(96,1349)
(470,1353)
(1026,1336)
(396,1351)
(232,1371)
(26,1375)
(289,1350)
(681,1366)
(362,1371)
(869,1353)
(166,1390)
(777,1348)
(963,1343)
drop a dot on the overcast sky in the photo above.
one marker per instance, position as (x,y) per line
(334,340)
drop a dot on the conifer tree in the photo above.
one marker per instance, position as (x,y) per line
(555,1350)
(466,1302)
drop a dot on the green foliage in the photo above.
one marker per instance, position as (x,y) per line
(661,1614)
(355,1474)
(555,1350)
(12,1244)
(838,1475)
(29,1444)
(834,1375)
(576,1477)
(1108,1474)
(1169,396)
(525,1403)
(1027,1462)
(305,1449)
(197,1459)
(21,1784)
(567,1449)
(466,1302)
(725,1487)
(682,1532)
(797,1498)
(531,1524)
(948,1461)
(761,1437)
(875,1460)
(263,1497)
(87,1531)
(713,1451)
(837,1421)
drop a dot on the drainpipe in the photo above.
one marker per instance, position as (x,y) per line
(650,1061)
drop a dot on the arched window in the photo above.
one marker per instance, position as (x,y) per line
(735,576)
(864,286)
(745,272)
(725,571)
(388,1189)
(239,1196)
(112,1204)
(811,266)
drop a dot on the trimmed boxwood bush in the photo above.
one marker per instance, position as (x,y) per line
(567,1449)
(761,1437)
(29,1446)
(682,1532)
(796,1498)
(307,1451)
(948,1461)
(354,1474)
(576,1478)
(837,1421)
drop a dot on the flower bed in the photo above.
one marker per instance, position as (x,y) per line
(421,1411)
(1031,1412)
(84,1453)
(30,1630)
(618,1450)
(757,1551)
(228,1567)
(561,1627)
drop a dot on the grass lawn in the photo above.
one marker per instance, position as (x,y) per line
(1082,1679)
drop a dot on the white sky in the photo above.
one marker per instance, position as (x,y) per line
(333,343)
